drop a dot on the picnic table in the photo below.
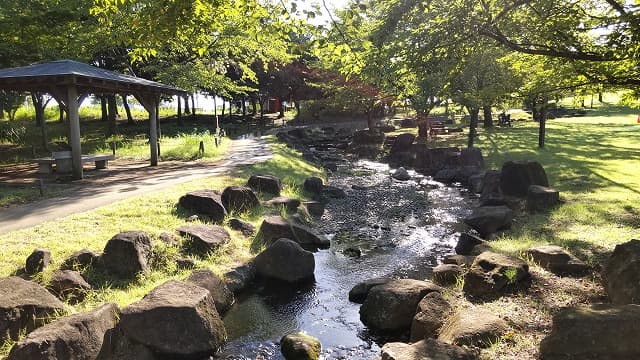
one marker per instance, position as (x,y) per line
(63,162)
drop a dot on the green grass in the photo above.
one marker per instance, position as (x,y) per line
(154,213)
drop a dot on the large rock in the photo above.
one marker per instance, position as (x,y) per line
(391,306)
(462,260)
(37,261)
(447,274)
(222,296)
(360,291)
(239,199)
(313,185)
(24,306)
(127,254)
(285,260)
(277,227)
(205,202)
(427,349)
(314,208)
(402,143)
(205,237)
(333,192)
(491,193)
(246,228)
(517,176)
(266,184)
(401,174)
(79,259)
(238,278)
(69,285)
(488,219)
(430,316)
(621,273)
(471,157)
(594,332)
(177,320)
(540,198)
(466,243)
(78,336)
(557,260)
(491,274)
(473,327)
(283,202)
(300,346)
(368,137)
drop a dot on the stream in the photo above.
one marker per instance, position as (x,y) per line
(402,229)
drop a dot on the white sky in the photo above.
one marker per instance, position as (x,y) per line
(324,18)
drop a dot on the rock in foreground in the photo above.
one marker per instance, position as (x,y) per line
(176,320)
(265,183)
(24,306)
(127,254)
(285,260)
(239,199)
(427,349)
(300,346)
(78,336)
(222,296)
(557,260)
(621,273)
(492,274)
(594,332)
(473,327)
(391,306)
(430,315)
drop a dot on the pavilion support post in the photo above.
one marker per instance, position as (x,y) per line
(153,132)
(74,131)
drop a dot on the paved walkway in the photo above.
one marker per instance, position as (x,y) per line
(124,183)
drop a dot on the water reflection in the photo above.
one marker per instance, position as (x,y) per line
(402,230)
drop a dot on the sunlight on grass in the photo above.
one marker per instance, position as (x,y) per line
(154,213)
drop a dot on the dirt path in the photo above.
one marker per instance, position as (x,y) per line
(120,182)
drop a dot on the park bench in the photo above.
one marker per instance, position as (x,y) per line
(63,162)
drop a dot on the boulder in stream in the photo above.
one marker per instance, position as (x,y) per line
(300,346)
(391,306)
(285,260)
(277,227)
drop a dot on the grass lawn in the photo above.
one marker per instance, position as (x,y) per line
(154,213)
(594,160)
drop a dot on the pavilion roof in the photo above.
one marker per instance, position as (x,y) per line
(87,78)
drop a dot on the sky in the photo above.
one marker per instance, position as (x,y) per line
(324,18)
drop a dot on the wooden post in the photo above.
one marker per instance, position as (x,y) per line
(74,133)
(153,131)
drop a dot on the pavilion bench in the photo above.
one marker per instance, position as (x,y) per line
(63,162)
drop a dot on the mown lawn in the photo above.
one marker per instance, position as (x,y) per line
(154,213)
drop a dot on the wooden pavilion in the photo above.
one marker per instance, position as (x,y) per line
(68,81)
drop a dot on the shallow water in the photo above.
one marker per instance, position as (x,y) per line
(403,229)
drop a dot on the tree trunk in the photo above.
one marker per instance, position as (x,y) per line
(262,111)
(543,122)
(193,106)
(254,107)
(473,124)
(103,107)
(127,109)
(534,111)
(111,112)
(224,105)
(186,105)
(281,115)
(61,115)
(297,105)
(600,97)
(488,117)
(180,123)
(37,100)
(244,108)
